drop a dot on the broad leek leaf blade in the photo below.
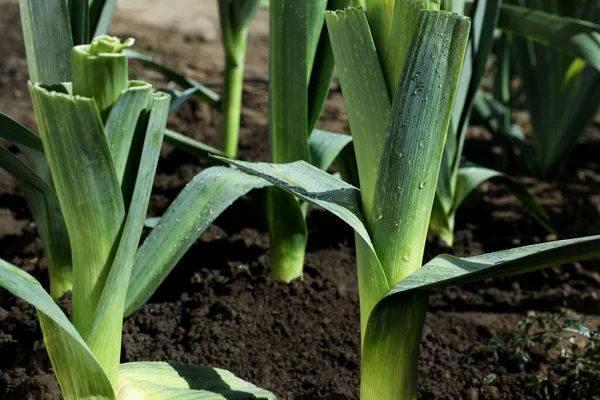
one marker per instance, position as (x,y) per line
(574,37)
(87,189)
(104,334)
(380,13)
(341,199)
(193,147)
(288,81)
(194,209)
(122,120)
(447,270)
(42,202)
(48,40)
(101,13)
(365,94)
(325,147)
(160,380)
(313,185)
(471,176)
(405,305)
(204,94)
(404,22)
(314,27)
(79,11)
(414,142)
(24,174)
(19,134)
(322,71)
(79,373)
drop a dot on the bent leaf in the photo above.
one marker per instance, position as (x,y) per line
(19,134)
(79,373)
(404,306)
(315,186)
(194,209)
(104,324)
(577,38)
(87,188)
(203,93)
(161,380)
(336,196)
(471,176)
(193,147)
(325,147)
(446,270)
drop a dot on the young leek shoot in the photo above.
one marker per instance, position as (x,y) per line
(300,70)
(235,19)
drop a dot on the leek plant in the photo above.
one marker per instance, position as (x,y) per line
(555,46)
(300,70)
(399,140)
(457,178)
(100,142)
(235,16)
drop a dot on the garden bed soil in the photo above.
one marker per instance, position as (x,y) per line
(300,340)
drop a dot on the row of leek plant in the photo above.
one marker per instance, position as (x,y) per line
(93,168)
(439,43)
(559,68)
(399,149)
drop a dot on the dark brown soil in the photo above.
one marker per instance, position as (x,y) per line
(302,340)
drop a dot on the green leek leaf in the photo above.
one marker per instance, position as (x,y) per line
(414,141)
(194,209)
(79,374)
(24,174)
(48,40)
(322,70)
(204,94)
(112,301)
(160,381)
(122,120)
(313,185)
(42,202)
(404,22)
(365,93)
(101,13)
(447,270)
(193,147)
(577,38)
(19,134)
(87,188)
(325,147)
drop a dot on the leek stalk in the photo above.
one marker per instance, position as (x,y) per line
(235,17)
